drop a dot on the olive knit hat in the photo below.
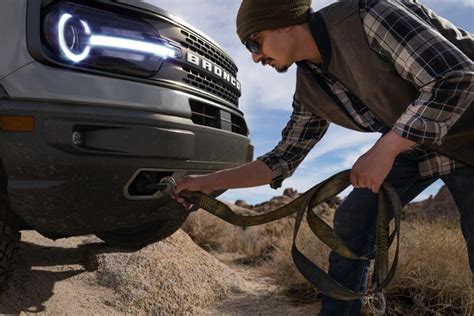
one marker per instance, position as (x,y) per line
(259,15)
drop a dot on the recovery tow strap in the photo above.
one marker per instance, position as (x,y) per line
(387,201)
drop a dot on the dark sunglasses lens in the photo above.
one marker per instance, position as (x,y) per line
(252,46)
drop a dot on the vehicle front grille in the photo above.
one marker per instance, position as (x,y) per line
(239,126)
(205,114)
(211,85)
(205,49)
(211,116)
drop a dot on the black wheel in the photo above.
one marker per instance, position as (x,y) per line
(9,241)
(140,236)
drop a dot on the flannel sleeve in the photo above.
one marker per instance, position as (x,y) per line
(301,133)
(443,74)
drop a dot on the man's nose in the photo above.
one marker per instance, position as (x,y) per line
(256,57)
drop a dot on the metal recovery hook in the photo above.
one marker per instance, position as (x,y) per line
(166,185)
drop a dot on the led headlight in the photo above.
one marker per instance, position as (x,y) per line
(70,36)
(91,38)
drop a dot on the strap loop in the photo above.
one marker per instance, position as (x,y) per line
(388,201)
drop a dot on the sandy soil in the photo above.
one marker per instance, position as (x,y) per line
(260,295)
(83,276)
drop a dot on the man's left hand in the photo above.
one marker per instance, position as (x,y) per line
(371,169)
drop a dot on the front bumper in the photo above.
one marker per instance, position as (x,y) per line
(70,176)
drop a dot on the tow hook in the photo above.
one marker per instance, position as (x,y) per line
(166,185)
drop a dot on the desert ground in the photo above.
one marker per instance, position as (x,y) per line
(212,268)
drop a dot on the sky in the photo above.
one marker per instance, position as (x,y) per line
(267,96)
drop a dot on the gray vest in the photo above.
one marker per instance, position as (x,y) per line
(375,82)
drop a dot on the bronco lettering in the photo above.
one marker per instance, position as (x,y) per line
(213,68)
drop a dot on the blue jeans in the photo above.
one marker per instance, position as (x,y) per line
(354,222)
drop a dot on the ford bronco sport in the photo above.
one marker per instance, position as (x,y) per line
(99,100)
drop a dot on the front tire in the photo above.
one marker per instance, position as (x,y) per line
(143,235)
(9,241)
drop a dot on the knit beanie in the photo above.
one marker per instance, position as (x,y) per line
(259,15)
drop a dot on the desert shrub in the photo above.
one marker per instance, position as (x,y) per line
(255,244)
(433,275)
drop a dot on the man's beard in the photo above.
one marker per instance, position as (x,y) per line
(281,69)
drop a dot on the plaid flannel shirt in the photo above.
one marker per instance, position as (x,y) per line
(400,32)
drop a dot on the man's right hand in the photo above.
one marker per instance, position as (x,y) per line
(202,183)
(251,174)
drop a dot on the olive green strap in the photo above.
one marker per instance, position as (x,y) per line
(321,192)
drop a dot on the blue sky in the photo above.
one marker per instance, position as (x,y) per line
(267,95)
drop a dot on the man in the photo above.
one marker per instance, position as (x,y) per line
(392,67)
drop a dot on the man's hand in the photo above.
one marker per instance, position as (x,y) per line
(203,183)
(371,169)
(248,175)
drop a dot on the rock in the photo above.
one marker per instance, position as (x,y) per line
(242,203)
(290,193)
(242,210)
(441,206)
(82,276)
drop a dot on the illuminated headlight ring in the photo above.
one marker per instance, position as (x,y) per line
(63,42)
(161,50)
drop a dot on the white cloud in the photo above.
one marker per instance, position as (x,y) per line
(468,2)
(263,86)
(349,159)
(340,138)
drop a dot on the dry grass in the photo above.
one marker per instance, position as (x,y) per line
(432,278)
(282,268)
(433,275)
(255,244)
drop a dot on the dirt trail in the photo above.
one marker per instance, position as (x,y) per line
(261,295)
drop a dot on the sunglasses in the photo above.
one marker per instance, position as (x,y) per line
(252,45)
